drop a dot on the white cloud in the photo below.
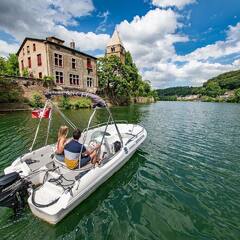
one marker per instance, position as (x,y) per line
(172,3)
(84,41)
(236,63)
(37,17)
(151,40)
(41,18)
(103,24)
(6,48)
(219,49)
(193,73)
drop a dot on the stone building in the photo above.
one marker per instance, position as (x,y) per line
(115,47)
(50,57)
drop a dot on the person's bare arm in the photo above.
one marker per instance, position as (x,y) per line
(87,152)
(61,144)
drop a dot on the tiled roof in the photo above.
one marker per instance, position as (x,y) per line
(115,39)
(56,44)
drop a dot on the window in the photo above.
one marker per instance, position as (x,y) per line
(122,50)
(58,59)
(29,62)
(89,64)
(59,77)
(113,49)
(89,82)
(22,65)
(74,79)
(34,47)
(40,75)
(89,71)
(28,50)
(73,63)
(39,60)
(23,52)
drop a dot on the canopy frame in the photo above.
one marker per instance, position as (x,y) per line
(98,103)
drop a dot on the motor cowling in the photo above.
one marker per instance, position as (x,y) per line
(13,191)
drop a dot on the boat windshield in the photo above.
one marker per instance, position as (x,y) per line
(99,134)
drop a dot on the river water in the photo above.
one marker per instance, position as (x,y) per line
(183,183)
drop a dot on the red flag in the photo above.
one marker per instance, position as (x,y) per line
(38,113)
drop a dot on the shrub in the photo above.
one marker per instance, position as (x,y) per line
(48,81)
(237,95)
(36,101)
(208,99)
(81,103)
(64,103)
(25,73)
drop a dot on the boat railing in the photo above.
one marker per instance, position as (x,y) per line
(135,135)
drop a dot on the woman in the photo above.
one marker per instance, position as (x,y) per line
(62,138)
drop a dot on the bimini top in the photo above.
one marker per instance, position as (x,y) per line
(97,101)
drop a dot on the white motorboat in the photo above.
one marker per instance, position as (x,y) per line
(53,189)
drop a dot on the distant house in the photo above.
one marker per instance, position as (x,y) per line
(115,47)
(50,57)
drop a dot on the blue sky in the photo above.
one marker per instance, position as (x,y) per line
(173,42)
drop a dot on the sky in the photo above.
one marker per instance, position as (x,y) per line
(173,42)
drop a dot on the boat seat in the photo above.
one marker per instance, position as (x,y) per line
(59,162)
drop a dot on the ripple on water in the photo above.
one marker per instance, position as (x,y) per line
(182,184)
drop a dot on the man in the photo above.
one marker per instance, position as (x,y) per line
(72,152)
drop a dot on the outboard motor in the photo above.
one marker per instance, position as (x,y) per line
(13,191)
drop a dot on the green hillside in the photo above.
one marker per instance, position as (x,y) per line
(210,91)
(169,94)
(229,80)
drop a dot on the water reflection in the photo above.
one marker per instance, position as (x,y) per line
(78,225)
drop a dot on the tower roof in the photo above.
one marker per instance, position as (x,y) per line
(115,39)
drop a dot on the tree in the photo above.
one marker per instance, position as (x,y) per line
(2,66)
(113,77)
(213,89)
(12,68)
(9,66)
(120,81)
(237,95)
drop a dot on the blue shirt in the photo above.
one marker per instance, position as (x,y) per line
(72,150)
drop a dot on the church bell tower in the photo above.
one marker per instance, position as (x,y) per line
(115,47)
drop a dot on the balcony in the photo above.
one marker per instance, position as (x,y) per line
(89,66)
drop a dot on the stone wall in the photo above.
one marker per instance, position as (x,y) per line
(28,85)
(143,100)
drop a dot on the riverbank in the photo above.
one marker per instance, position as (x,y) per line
(12,107)
(228,97)
(19,94)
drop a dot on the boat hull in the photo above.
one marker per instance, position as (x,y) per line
(55,218)
(51,202)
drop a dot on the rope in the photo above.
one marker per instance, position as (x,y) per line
(71,124)
(49,125)
(40,120)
